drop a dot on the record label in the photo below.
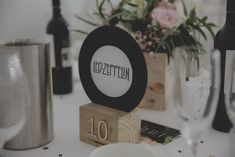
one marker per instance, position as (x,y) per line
(112,68)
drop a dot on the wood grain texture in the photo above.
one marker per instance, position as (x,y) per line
(154,97)
(122,127)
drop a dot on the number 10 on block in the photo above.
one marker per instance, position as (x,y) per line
(101,127)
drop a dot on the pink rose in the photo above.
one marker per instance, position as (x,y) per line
(167,18)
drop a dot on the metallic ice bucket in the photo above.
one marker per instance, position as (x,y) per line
(38,129)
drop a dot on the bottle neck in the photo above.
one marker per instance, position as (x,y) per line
(230,19)
(56,12)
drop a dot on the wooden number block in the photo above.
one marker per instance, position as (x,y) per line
(100,125)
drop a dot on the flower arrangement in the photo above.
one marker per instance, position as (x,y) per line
(157,25)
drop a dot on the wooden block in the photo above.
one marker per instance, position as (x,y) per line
(154,97)
(100,125)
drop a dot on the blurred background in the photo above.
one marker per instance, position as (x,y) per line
(28,18)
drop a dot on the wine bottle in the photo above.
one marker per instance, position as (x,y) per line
(62,72)
(225,42)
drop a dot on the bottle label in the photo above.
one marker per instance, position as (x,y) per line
(66,57)
(229,72)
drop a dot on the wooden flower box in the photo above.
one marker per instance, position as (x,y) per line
(154,97)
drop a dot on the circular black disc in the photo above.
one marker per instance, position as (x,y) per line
(115,37)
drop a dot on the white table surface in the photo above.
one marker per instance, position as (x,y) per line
(67,143)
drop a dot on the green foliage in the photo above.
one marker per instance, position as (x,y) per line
(168,139)
(135,16)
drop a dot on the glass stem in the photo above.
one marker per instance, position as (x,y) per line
(194,148)
(1,149)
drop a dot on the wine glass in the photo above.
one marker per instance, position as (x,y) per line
(229,87)
(14,94)
(194,108)
(229,91)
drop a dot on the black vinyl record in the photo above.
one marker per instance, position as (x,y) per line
(112,69)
